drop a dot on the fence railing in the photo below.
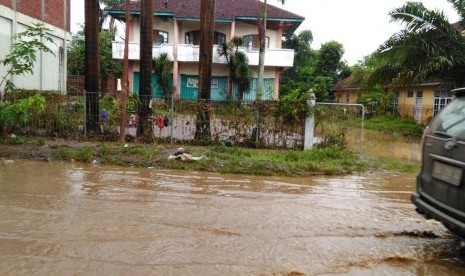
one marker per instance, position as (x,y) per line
(341,124)
(230,122)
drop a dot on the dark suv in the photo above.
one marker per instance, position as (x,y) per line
(440,192)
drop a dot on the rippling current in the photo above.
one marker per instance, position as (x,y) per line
(60,218)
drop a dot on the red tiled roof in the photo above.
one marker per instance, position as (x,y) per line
(346,84)
(225,9)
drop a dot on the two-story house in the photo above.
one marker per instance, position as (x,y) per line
(49,72)
(177,33)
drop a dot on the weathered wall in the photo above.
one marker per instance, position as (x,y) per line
(54,10)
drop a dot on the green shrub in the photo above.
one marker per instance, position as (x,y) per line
(15,140)
(42,141)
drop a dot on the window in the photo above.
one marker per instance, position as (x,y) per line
(452,120)
(419,94)
(219,38)
(193,37)
(441,99)
(159,37)
(395,101)
(193,82)
(348,97)
(252,41)
(409,94)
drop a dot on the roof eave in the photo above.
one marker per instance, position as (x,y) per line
(119,13)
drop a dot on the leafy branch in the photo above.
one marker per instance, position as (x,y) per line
(22,57)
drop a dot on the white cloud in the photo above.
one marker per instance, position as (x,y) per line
(360,25)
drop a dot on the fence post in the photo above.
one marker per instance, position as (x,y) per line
(85,112)
(172,116)
(310,124)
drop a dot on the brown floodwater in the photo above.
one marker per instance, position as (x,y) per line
(380,144)
(74,219)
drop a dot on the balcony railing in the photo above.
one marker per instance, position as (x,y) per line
(190,53)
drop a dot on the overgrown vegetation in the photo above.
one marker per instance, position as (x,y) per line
(392,124)
(240,73)
(109,67)
(162,67)
(20,112)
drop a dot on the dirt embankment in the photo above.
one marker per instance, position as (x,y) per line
(34,149)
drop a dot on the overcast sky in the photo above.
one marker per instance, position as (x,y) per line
(360,25)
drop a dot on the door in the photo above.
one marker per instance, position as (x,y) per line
(418,106)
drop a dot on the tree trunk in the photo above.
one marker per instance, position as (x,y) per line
(91,82)
(207,29)
(261,56)
(124,85)
(146,56)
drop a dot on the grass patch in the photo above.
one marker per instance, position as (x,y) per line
(83,155)
(14,140)
(41,141)
(403,166)
(404,126)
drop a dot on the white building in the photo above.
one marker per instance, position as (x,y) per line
(49,72)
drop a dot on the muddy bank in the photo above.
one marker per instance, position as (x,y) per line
(220,159)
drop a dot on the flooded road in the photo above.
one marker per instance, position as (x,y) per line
(74,219)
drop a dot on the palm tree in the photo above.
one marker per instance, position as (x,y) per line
(145,91)
(429,47)
(261,63)
(262,38)
(92,65)
(207,27)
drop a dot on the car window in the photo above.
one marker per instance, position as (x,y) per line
(451,120)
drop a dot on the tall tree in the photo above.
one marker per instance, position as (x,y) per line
(104,15)
(145,91)
(262,39)
(207,29)
(329,60)
(301,75)
(91,82)
(328,69)
(124,88)
(428,47)
(108,66)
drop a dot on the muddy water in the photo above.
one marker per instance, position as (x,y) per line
(58,219)
(381,144)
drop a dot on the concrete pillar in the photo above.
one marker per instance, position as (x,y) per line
(279,40)
(310,124)
(232,30)
(277,77)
